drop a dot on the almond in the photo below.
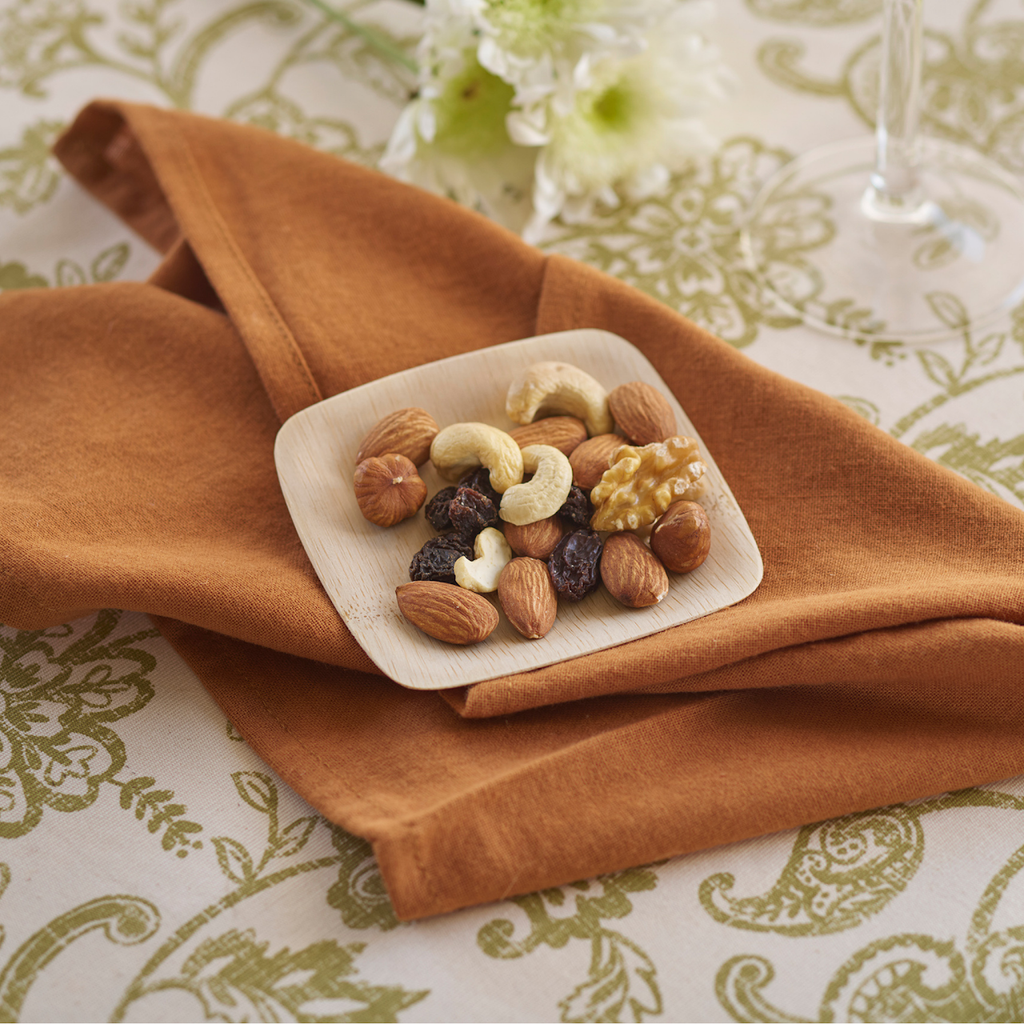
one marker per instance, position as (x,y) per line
(642,412)
(535,540)
(528,597)
(561,432)
(406,432)
(447,612)
(590,459)
(681,538)
(632,572)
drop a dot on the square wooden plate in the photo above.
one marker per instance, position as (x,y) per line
(361,564)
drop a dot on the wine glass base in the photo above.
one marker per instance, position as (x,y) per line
(827,248)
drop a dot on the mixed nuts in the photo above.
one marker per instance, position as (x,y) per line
(551,509)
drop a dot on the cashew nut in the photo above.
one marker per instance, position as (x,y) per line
(559,389)
(542,496)
(492,555)
(463,446)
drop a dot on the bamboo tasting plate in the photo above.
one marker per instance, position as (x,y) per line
(360,564)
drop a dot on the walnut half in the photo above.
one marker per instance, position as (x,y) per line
(641,483)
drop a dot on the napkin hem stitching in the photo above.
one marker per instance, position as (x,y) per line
(294,353)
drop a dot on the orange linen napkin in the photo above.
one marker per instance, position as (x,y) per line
(880,660)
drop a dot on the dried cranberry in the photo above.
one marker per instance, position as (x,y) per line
(436,559)
(436,510)
(470,511)
(575,564)
(577,508)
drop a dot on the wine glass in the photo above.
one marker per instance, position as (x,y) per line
(919,238)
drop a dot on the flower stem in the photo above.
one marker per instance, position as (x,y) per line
(374,39)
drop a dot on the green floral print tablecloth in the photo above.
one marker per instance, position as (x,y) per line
(152,868)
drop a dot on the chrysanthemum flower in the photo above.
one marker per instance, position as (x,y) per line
(633,122)
(531,109)
(536,44)
(452,138)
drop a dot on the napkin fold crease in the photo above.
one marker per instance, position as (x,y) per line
(880,660)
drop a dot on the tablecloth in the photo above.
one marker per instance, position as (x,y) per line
(154,868)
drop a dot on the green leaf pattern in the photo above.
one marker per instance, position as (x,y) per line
(235,979)
(28,174)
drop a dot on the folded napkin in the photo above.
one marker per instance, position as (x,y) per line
(880,660)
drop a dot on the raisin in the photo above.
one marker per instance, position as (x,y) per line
(480,480)
(574,564)
(470,511)
(577,508)
(436,509)
(436,559)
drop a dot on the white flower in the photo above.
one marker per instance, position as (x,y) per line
(532,109)
(452,138)
(634,121)
(536,44)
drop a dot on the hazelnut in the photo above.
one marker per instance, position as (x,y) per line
(681,538)
(388,489)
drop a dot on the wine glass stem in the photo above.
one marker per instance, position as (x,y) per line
(895,192)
